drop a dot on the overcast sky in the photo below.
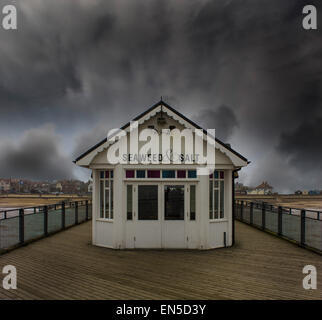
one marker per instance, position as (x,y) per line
(76,68)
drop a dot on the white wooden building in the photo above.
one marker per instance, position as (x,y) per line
(162,205)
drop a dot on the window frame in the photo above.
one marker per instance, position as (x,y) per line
(108,185)
(131,186)
(192,214)
(216,187)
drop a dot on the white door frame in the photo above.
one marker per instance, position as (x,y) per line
(152,233)
(173,232)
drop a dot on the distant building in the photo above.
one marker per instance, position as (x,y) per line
(314,192)
(59,187)
(5,185)
(298,192)
(263,188)
(240,189)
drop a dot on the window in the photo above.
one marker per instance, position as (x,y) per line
(140,173)
(217,195)
(148,202)
(129,202)
(192,174)
(174,202)
(129,174)
(160,174)
(106,195)
(181,174)
(168,174)
(192,202)
(154,174)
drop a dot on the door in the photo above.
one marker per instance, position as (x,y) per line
(174,209)
(161,215)
(143,225)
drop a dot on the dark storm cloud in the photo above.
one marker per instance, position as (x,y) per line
(302,147)
(36,156)
(87,65)
(222,119)
(88,139)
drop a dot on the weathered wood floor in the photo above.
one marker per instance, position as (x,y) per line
(67,266)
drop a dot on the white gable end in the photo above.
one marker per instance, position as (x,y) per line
(224,155)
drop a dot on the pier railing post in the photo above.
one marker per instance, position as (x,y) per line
(251,211)
(63,215)
(280,221)
(21,226)
(241,210)
(263,215)
(302,228)
(76,212)
(86,203)
(45,220)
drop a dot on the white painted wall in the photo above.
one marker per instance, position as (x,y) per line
(199,234)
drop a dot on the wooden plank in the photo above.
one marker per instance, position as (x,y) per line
(67,266)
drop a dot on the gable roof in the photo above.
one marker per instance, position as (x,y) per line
(161,104)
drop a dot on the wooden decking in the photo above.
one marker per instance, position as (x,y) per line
(67,266)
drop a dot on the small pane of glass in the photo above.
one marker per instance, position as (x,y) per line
(102,174)
(222,201)
(107,202)
(129,202)
(192,174)
(153,173)
(101,199)
(192,202)
(174,202)
(129,174)
(107,174)
(211,199)
(221,174)
(211,176)
(168,174)
(181,174)
(112,174)
(140,173)
(148,202)
(216,174)
(216,204)
(112,201)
